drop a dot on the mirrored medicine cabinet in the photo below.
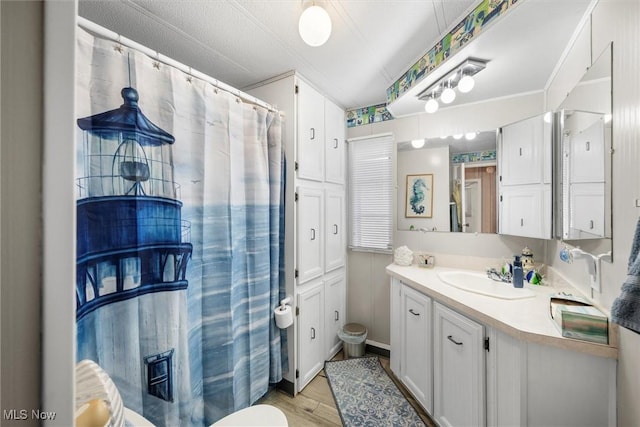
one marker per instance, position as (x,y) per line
(555,168)
(583,204)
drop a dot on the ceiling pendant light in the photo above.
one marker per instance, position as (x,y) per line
(448,94)
(314,26)
(458,136)
(470,136)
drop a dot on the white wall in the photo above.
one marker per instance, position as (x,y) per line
(20,177)
(616,21)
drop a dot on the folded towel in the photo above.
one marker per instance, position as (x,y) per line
(626,308)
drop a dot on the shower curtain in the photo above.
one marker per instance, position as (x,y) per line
(180,206)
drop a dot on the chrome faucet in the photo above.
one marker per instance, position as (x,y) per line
(496,275)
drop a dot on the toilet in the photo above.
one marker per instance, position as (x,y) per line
(257,415)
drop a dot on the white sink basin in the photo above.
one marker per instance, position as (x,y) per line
(481,284)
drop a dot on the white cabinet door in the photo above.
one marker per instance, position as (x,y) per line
(458,370)
(525,211)
(587,154)
(310,333)
(310,249)
(310,133)
(416,361)
(335,306)
(587,214)
(334,143)
(523,152)
(335,244)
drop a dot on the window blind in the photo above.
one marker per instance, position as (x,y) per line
(371,192)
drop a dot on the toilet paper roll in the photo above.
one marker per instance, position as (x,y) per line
(284,316)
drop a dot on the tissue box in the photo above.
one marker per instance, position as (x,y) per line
(576,318)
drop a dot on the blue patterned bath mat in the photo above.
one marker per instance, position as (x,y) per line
(366,396)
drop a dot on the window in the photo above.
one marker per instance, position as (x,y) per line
(159,375)
(371,192)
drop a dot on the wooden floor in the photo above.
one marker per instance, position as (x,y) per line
(315,406)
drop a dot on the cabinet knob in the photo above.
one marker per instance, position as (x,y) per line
(313,133)
(335,142)
(337,316)
(591,224)
(313,333)
(313,234)
(335,228)
(413,312)
(450,338)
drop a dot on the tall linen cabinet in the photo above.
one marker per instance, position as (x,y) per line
(315,245)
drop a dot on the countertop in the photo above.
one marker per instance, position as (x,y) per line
(525,319)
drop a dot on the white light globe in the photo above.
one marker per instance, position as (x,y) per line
(314,26)
(448,95)
(457,136)
(431,106)
(465,84)
(417,143)
(469,136)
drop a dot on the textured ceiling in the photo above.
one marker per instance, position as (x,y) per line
(242,42)
(373,42)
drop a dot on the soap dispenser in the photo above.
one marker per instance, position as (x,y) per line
(518,279)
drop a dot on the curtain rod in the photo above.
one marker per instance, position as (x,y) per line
(111,35)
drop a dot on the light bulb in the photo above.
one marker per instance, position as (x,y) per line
(314,26)
(466,83)
(469,136)
(431,106)
(417,143)
(448,95)
(457,136)
(444,137)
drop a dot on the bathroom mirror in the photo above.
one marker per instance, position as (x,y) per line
(583,193)
(459,194)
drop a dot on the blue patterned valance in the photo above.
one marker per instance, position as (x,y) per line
(477,156)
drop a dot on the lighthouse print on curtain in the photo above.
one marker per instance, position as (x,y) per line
(180,200)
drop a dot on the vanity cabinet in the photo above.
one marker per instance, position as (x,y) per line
(525,164)
(478,374)
(458,369)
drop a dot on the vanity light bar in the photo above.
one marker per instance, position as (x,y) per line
(468,67)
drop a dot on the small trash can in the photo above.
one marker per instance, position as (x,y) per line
(353,336)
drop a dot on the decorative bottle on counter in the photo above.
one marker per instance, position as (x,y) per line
(518,281)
